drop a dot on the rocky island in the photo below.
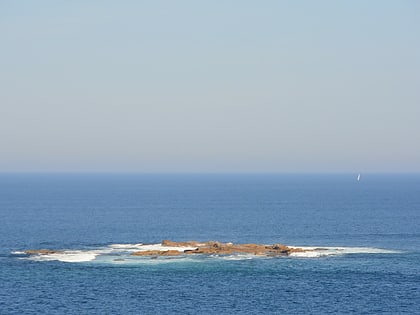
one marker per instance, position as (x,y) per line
(171,248)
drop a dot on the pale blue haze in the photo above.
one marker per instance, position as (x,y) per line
(216,86)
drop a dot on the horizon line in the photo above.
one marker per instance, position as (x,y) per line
(107,172)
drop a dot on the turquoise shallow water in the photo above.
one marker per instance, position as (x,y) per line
(86,214)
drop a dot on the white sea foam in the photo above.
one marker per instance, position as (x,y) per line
(67,256)
(145,260)
(115,253)
(145,247)
(164,248)
(237,257)
(313,252)
(121,254)
(125,246)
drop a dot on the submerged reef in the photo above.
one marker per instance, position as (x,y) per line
(218,248)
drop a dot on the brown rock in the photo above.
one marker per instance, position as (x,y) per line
(171,253)
(207,248)
(169,243)
(280,247)
(229,248)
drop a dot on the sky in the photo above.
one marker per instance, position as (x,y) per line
(210,86)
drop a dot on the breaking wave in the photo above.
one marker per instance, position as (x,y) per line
(313,252)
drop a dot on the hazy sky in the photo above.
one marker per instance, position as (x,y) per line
(210,86)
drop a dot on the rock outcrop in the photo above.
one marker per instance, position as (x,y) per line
(171,248)
(217,248)
(169,243)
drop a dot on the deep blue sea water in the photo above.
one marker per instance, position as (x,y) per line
(374,222)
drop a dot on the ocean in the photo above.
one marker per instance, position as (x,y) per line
(370,231)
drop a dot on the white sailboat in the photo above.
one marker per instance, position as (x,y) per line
(358,177)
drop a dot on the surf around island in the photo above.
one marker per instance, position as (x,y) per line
(130,253)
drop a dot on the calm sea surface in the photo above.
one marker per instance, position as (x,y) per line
(371,229)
